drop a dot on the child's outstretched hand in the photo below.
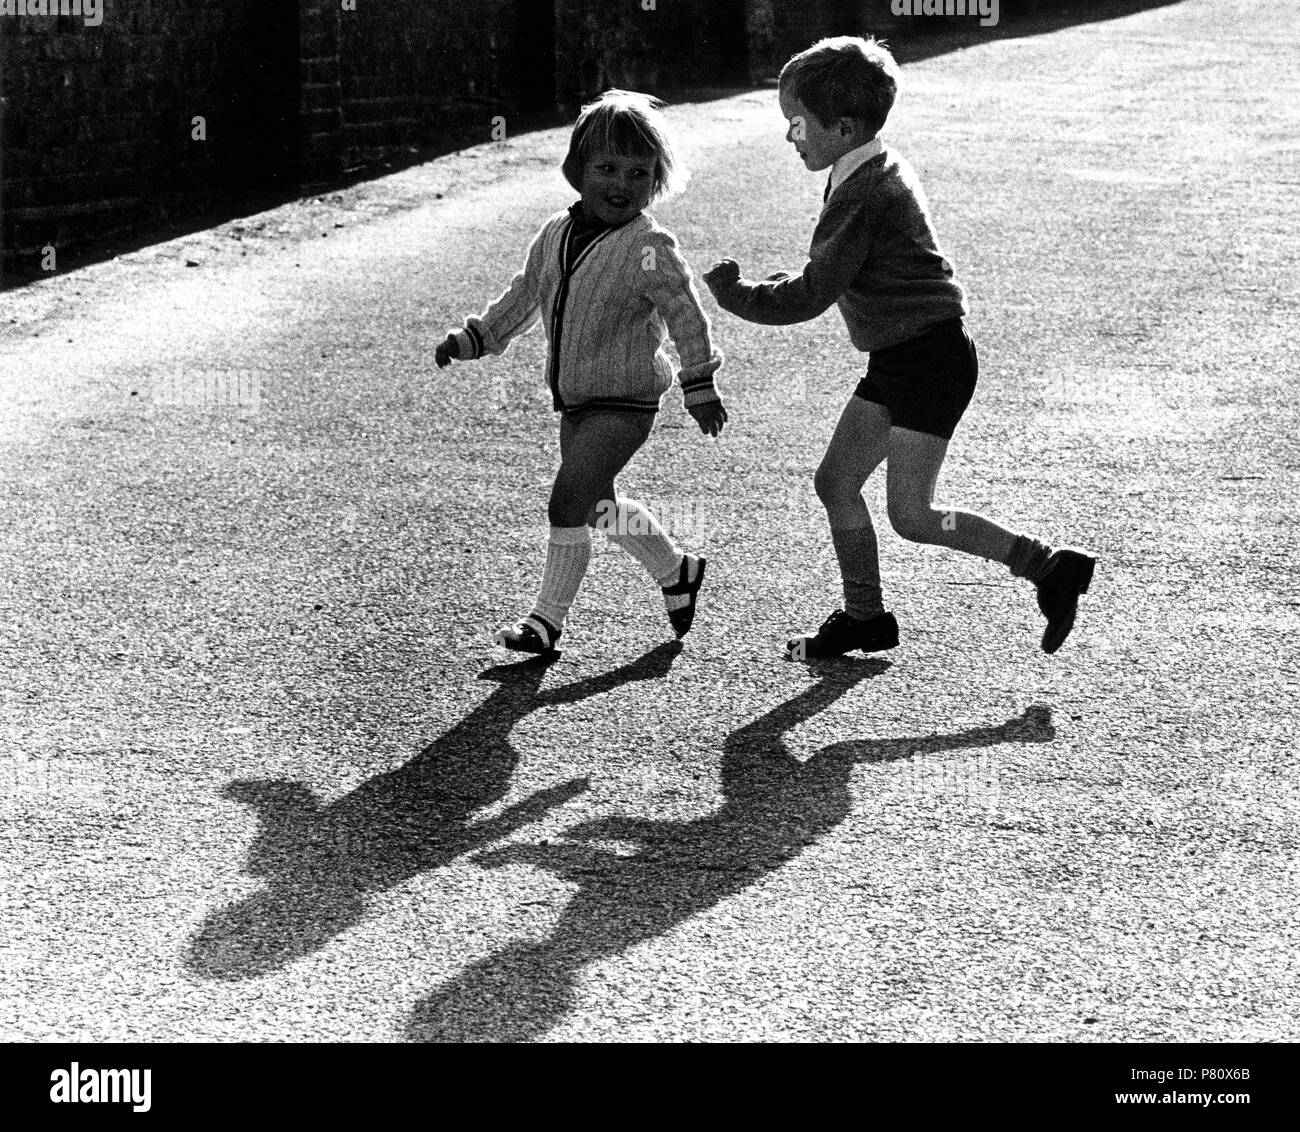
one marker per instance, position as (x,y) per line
(445,351)
(722,274)
(710,416)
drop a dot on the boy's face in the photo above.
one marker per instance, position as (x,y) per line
(616,186)
(819,146)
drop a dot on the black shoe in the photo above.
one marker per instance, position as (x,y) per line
(1069,573)
(532,634)
(841,633)
(682,618)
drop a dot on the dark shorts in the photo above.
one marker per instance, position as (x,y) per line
(927,381)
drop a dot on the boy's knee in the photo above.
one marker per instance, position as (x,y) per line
(912,523)
(832,487)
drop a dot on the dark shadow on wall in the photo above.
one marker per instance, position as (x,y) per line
(251,198)
(922,38)
(109,147)
(775,806)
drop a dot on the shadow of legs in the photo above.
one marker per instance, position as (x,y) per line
(321,862)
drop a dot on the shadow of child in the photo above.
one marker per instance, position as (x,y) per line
(774,806)
(321,862)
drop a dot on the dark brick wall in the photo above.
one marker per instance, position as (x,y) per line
(415,72)
(96,121)
(622,43)
(320,93)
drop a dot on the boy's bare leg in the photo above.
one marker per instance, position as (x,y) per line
(859,444)
(915,459)
(1060,576)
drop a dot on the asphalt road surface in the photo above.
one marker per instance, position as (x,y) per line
(267,779)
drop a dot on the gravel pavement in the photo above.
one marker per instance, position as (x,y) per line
(269,781)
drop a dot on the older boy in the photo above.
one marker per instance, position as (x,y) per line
(875,254)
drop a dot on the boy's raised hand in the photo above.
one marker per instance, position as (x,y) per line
(722,274)
(710,416)
(445,351)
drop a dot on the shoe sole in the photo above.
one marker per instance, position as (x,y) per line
(790,651)
(1055,633)
(522,648)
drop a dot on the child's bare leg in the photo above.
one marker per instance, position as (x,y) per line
(631,525)
(915,459)
(594,448)
(626,522)
(1060,576)
(859,444)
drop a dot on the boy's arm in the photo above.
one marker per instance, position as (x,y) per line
(513,312)
(670,288)
(840,246)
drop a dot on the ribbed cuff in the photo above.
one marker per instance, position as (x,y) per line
(465,344)
(570,536)
(699,393)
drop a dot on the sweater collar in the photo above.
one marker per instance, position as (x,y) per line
(849,163)
(594,224)
(580,217)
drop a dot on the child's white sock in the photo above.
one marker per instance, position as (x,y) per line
(636,531)
(567,555)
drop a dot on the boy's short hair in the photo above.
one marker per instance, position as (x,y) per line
(627,123)
(844,77)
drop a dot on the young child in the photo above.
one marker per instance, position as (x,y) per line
(874,252)
(611,288)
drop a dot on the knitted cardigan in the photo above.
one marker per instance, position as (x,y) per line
(608,311)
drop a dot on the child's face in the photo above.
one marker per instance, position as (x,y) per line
(616,186)
(819,146)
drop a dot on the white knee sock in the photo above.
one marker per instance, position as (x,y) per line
(636,531)
(567,555)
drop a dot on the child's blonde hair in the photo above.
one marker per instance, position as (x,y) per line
(844,77)
(630,124)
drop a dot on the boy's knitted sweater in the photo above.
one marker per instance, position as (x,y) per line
(609,308)
(874,251)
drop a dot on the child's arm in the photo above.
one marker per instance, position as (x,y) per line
(840,246)
(670,288)
(512,314)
